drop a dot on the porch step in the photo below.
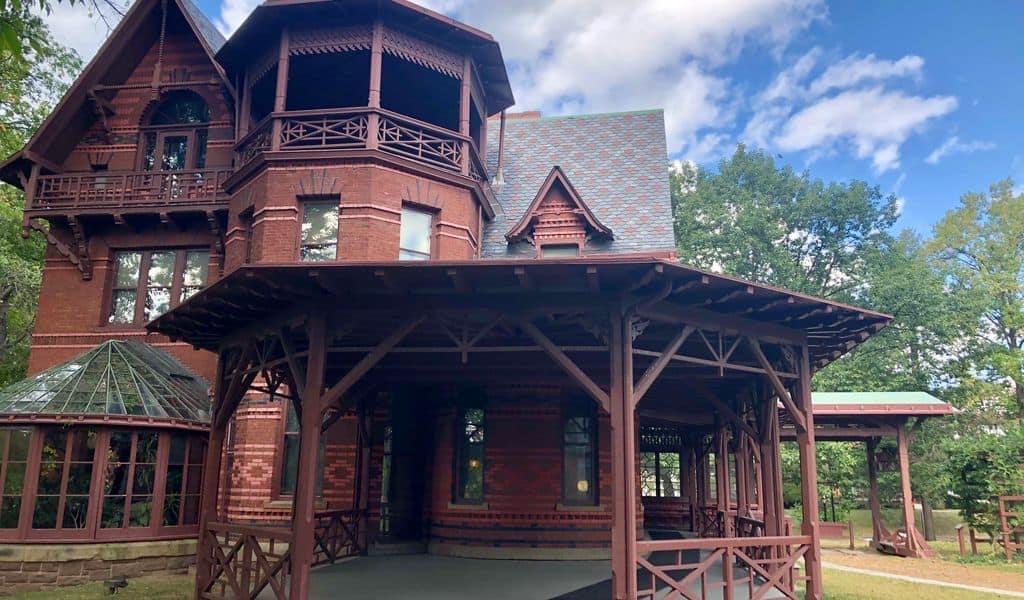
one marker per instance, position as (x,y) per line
(397,548)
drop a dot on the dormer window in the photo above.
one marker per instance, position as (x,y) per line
(558,223)
(175,137)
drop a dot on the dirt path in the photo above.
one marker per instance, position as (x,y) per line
(979,578)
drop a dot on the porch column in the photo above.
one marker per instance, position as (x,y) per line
(722,483)
(281,88)
(700,472)
(690,479)
(768,452)
(808,477)
(742,459)
(873,502)
(211,479)
(902,447)
(309,443)
(374,101)
(620,345)
(364,449)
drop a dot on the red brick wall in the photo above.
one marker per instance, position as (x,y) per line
(371,198)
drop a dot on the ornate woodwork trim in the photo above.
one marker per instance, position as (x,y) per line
(557,215)
(75,255)
(425,54)
(330,40)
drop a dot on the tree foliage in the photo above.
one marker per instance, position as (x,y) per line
(756,220)
(29,88)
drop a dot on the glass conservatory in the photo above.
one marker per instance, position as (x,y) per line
(106,446)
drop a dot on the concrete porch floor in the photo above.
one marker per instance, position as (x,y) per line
(431,577)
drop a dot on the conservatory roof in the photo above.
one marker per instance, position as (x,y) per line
(127,379)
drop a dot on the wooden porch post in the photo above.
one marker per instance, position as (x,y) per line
(689,478)
(902,447)
(280,88)
(365,450)
(768,450)
(700,469)
(211,479)
(624,581)
(722,483)
(309,443)
(808,478)
(742,459)
(374,100)
(873,502)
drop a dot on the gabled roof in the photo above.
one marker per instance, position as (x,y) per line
(68,113)
(617,162)
(115,378)
(557,177)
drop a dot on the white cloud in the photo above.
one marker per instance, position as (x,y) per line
(852,105)
(874,122)
(75,26)
(954,146)
(855,69)
(233,13)
(608,55)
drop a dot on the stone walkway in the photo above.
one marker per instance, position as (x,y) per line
(962,586)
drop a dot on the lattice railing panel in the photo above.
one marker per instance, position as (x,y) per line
(246,561)
(130,189)
(336,536)
(694,569)
(419,143)
(323,132)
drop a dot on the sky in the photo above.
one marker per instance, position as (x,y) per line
(922,98)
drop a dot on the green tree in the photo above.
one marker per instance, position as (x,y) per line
(756,220)
(20,39)
(29,89)
(979,249)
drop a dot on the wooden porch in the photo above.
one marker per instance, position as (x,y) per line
(647,340)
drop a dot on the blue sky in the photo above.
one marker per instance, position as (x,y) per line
(920,97)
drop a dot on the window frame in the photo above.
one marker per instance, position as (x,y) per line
(658,487)
(142,285)
(420,256)
(189,130)
(5,463)
(462,444)
(541,247)
(281,458)
(305,203)
(575,409)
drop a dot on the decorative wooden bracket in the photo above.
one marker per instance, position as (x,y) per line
(217,243)
(77,256)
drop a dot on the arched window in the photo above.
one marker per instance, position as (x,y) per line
(174,138)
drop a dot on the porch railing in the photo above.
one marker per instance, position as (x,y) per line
(245,560)
(129,189)
(691,568)
(363,129)
(336,535)
(708,521)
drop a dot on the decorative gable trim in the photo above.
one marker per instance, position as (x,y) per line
(558,215)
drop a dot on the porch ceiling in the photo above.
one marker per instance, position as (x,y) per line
(268,295)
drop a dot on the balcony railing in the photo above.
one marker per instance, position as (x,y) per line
(363,129)
(127,190)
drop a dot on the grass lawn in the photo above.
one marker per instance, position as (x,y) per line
(152,587)
(945,521)
(840,585)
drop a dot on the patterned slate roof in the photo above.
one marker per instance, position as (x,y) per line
(214,38)
(618,162)
(115,378)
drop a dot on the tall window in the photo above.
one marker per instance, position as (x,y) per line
(579,454)
(660,474)
(65,472)
(176,135)
(290,455)
(184,480)
(149,283)
(470,432)
(130,480)
(319,231)
(415,233)
(13,462)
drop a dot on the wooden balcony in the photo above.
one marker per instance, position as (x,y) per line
(362,129)
(128,191)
